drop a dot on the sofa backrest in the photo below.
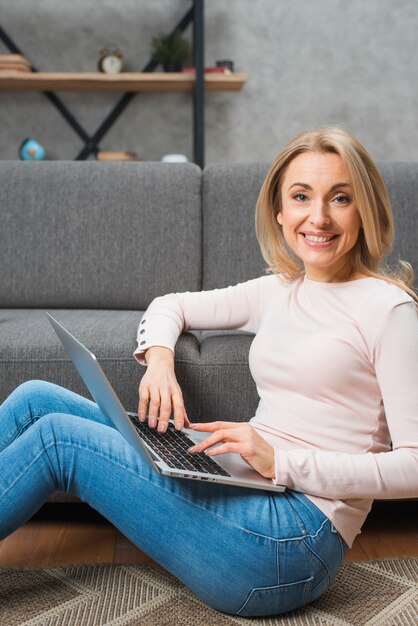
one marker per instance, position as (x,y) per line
(98,235)
(231,252)
(116,235)
(401,179)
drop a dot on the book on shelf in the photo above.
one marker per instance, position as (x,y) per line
(117,156)
(14,62)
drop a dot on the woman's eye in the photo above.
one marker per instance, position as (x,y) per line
(300,197)
(342,199)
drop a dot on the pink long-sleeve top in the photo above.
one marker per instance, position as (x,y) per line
(336,369)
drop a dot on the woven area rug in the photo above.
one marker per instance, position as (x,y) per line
(365,593)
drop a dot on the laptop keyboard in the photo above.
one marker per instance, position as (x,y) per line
(172,447)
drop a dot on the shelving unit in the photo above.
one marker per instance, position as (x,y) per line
(132,83)
(127,81)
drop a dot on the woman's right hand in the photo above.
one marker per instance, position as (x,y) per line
(159,391)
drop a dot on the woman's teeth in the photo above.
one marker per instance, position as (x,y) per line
(318,239)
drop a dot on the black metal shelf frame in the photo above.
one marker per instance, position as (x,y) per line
(91,142)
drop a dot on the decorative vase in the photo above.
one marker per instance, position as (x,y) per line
(172,67)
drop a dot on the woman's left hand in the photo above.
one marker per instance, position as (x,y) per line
(240,438)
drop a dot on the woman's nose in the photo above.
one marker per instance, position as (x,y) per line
(319,213)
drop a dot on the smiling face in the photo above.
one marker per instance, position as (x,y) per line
(317,202)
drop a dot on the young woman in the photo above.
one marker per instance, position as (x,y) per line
(335,359)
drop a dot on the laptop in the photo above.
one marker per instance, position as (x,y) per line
(167,452)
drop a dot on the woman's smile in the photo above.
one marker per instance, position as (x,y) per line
(318,242)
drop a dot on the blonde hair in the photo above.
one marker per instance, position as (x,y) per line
(375,239)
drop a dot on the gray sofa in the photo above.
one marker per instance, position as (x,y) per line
(95,242)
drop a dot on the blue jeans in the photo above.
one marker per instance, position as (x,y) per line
(243,551)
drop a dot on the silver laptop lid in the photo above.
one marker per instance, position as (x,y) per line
(96,381)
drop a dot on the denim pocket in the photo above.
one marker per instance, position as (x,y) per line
(278,599)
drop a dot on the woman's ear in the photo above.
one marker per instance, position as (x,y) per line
(279,218)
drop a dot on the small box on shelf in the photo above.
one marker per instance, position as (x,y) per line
(208,70)
(117,156)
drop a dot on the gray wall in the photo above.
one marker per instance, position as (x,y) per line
(309,63)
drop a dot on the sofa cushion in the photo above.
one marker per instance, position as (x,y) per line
(98,235)
(31,349)
(226,389)
(211,367)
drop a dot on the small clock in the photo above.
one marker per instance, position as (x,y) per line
(111,60)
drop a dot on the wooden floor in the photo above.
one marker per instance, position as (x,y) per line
(62,534)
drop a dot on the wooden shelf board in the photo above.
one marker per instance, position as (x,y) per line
(127,81)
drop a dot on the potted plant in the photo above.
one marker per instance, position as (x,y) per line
(171,52)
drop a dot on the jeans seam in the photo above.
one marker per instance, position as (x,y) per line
(247,599)
(245,602)
(278,562)
(296,514)
(270,587)
(326,577)
(298,538)
(66,443)
(34,419)
(24,472)
(319,529)
(252,532)
(21,430)
(304,536)
(314,552)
